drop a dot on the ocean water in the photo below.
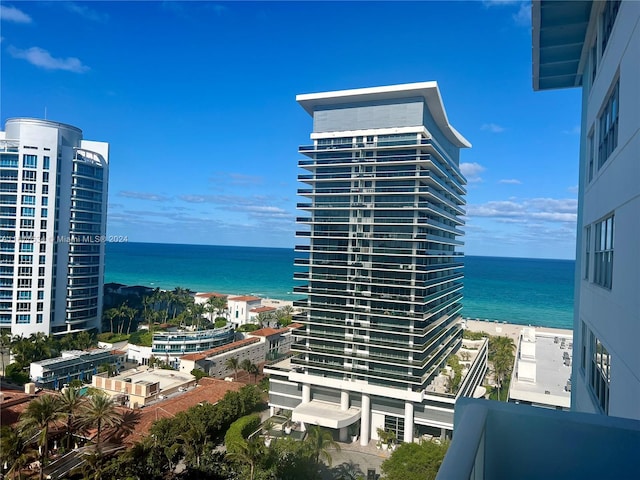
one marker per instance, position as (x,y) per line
(516,290)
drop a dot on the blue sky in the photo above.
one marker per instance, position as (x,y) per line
(197,100)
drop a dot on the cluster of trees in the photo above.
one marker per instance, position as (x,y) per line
(246,365)
(283,458)
(176,307)
(190,437)
(61,417)
(501,356)
(283,316)
(415,460)
(35,347)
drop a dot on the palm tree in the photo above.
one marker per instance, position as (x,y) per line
(99,411)
(130,313)
(14,451)
(319,442)
(249,452)
(5,344)
(246,365)
(234,364)
(254,370)
(70,403)
(111,314)
(40,414)
(195,441)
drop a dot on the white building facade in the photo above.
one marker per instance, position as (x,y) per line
(53,208)
(596,46)
(383,279)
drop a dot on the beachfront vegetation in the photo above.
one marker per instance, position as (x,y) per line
(415,460)
(501,355)
(469,335)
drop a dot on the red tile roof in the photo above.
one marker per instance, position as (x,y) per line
(245,298)
(212,294)
(262,309)
(210,390)
(218,350)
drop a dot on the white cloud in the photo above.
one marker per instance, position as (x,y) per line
(574,131)
(12,14)
(510,181)
(86,12)
(540,209)
(43,59)
(472,171)
(492,127)
(523,16)
(154,197)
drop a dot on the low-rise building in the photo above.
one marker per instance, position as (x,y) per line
(53,373)
(262,345)
(240,308)
(137,387)
(542,371)
(169,346)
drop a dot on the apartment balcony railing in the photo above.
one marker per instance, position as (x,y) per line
(506,440)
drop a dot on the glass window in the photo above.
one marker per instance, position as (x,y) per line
(44,212)
(26,247)
(29,175)
(600,372)
(45,189)
(591,155)
(45,163)
(603,253)
(587,249)
(608,122)
(45,176)
(39,318)
(22,318)
(28,212)
(28,200)
(45,201)
(24,295)
(609,15)
(30,161)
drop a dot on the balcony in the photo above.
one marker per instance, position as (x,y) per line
(504,440)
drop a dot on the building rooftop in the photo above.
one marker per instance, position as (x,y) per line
(245,298)
(167,379)
(218,350)
(208,390)
(542,371)
(427,90)
(211,295)
(263,309)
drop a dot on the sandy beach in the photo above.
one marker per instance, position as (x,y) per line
(507,329)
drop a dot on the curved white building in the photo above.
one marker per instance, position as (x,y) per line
(53,209)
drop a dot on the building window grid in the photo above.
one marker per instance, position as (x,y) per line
(600,372)
(603,253)
(591,156)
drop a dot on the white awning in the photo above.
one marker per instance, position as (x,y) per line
(325,414)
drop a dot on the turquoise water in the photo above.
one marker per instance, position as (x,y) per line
(517,290)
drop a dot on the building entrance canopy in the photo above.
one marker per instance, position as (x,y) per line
(325,414)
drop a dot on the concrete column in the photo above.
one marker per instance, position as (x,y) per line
(365,420)
(344,434)
(408,422)
(272,411)
(344,401)
(306,393)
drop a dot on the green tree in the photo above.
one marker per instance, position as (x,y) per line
(320,442)
(14,451)
(413,460)
(250,454)
(99,411)
(234,364)
(41,413)
(198,374)
(70,404)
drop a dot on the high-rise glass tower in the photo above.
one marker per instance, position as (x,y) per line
(53,208)
(383,269)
